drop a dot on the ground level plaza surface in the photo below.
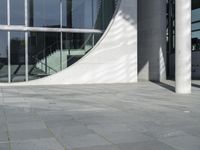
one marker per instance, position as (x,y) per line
(141,116)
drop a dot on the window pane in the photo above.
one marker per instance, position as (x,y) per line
(17,12)
(77,13)
(17,46)
(105,13)
(3,56)
(196,26)
(44,13)
(195,15)
(88,13)
(3,12)
(75,46)
(44,54)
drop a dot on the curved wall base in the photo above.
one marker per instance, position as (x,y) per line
(113,59)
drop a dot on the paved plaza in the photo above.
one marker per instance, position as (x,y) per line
(141,116)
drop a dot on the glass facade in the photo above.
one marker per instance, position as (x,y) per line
(171,36)
(3,56)
(41,15)
(3,12)
(44,54)
(17,12)
(17,56)
(59,33)
(196,25)
(79,13)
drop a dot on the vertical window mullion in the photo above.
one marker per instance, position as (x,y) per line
(61,38)
(26,39)
(8,22)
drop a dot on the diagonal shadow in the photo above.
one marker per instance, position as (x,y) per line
(164,85)
(195,85)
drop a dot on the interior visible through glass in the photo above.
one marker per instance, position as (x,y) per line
(195,38)
(61,32)
(17,50)
(3,56)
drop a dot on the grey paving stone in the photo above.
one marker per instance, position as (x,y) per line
(4,146)
(3,136)
(76,130)
(164,133)
(184,142)
(147,145)
(126,137)
(54,116)
(109,128)
(193,130)
(19,135)
(82,141)
(26,125)
(3,130)
(39,144)
(13,100)
(71,123)
(17,119)
(99,147)
(134,116)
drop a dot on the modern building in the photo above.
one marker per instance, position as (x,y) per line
(99,41)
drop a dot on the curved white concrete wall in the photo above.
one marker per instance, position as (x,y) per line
(113,59)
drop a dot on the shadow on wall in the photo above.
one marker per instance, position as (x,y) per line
(152,40)
(115,56)
(113,59)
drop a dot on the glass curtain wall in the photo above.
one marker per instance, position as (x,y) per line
(48,36)
(195,38)
(17,55)
(17,12)
(196,25)
(44,54)
(170,39)
(76,47)
(44,13)
(3,56)
(87,13)
(3,12)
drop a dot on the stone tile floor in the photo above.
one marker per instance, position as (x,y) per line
(141,116)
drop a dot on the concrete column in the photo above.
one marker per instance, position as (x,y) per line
(183,46)
(152,40)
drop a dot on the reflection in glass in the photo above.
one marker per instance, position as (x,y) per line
(17,12)
(75,46)
(87,13)
(106,10)
(44,54)
(196,25)
(3,57)
(77,13)
(3,12)
(44,13)
(17,48)
(196,41)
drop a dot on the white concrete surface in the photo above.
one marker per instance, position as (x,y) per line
(183,46)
